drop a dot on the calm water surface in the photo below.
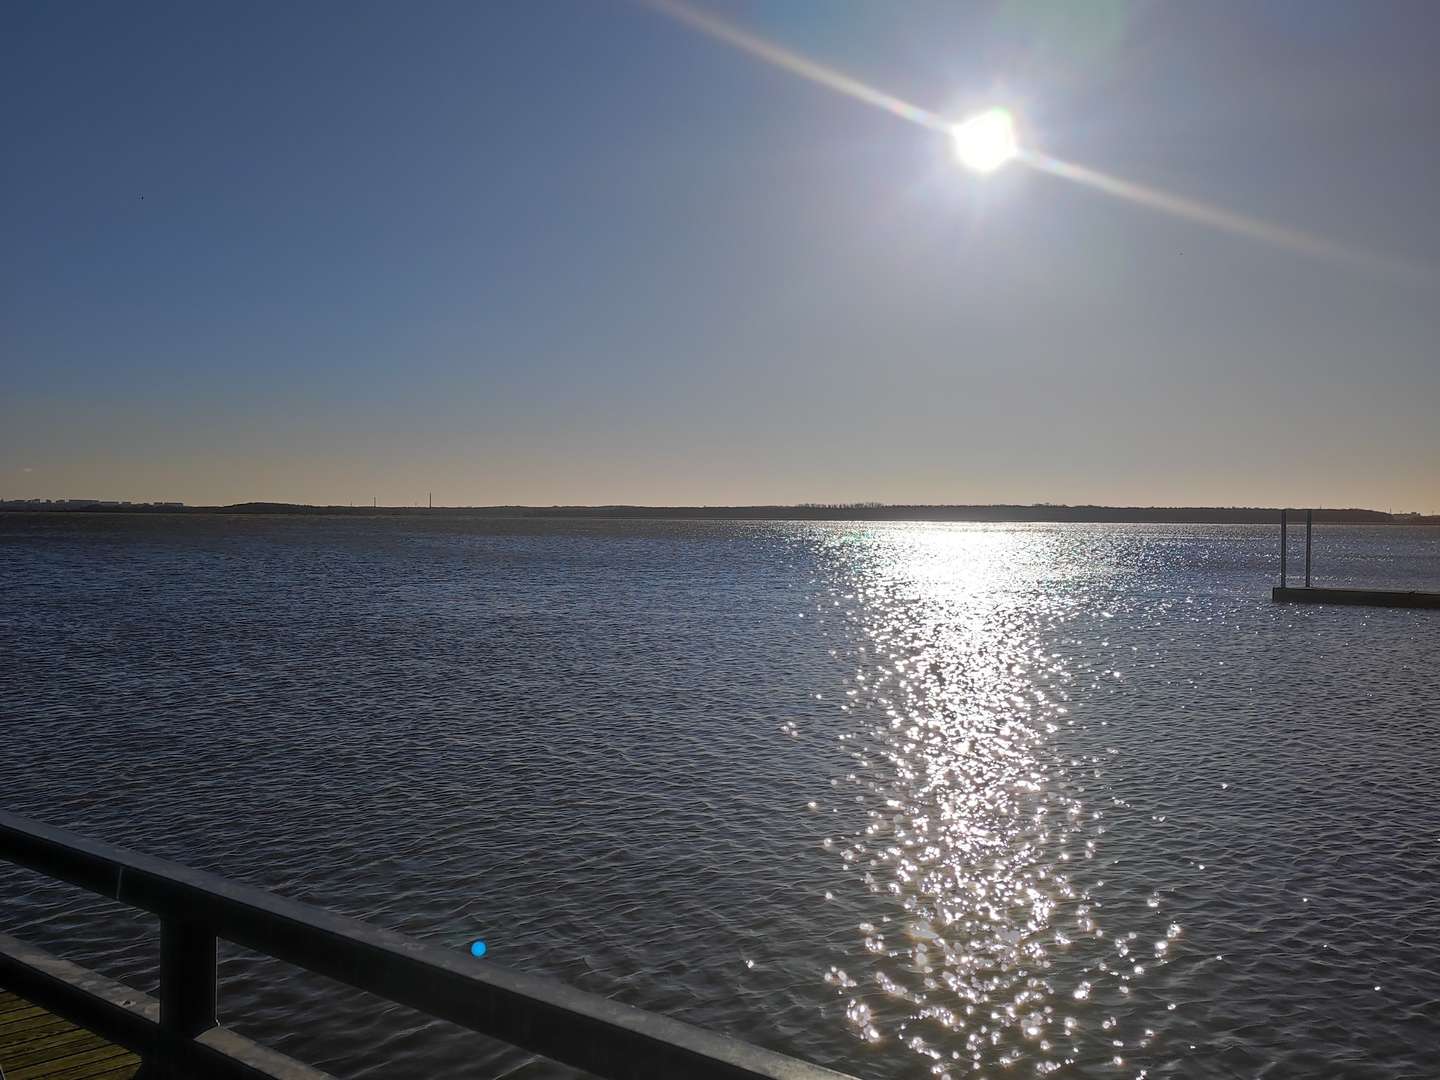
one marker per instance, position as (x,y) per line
(908,800)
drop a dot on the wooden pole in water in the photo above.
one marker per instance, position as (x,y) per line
(1283,582)
(1309,520)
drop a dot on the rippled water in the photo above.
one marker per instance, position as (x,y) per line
(908,800)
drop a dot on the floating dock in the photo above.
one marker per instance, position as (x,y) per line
(1366,597)
(1286,594)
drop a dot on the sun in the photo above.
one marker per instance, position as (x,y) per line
(986,140)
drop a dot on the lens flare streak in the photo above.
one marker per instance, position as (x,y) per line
(1302,243)
(1294,240)
(793,62)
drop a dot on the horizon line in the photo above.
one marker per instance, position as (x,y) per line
(635,509)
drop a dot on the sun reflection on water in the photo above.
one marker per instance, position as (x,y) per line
(987,946)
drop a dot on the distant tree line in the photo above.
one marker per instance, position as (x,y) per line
(853,511)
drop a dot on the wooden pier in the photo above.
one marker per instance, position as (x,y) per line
(179,1034)
(38,1045)
(1308,594)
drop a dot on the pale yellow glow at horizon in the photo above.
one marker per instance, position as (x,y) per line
(986,141)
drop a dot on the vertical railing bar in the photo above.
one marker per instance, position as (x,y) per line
(1283,580)
(187,977)
(1309,521)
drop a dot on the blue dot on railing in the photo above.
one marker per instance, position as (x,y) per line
(477,948)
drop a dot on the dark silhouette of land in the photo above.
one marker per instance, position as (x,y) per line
(1044,512)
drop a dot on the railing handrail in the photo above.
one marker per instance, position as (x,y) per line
(541,1015)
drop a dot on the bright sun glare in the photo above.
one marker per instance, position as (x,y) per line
(986,140)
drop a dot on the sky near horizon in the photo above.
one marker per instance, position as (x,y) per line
(577,252)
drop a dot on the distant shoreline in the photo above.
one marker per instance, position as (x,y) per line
(1174,515)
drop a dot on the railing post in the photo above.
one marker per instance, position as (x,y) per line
(1309,520)
(1283,581)
(187,977)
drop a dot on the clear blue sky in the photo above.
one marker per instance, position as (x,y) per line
(554,252)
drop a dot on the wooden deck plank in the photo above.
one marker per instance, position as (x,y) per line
(18,1017)
(47,1026)
(45,1049)
(14,1005)
(74,1067)
(36,1025)
(21,1017)
(89,1068)
(124,1072)
(38,1045)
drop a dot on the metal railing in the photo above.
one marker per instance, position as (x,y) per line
(180,1033)
(1309,532)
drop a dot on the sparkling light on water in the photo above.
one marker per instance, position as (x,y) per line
(1004,795)
(988,946)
